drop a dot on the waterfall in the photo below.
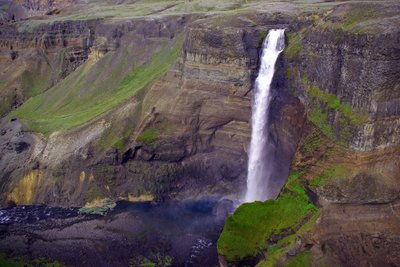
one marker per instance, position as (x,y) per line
(258,176)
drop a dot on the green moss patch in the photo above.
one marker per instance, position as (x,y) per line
(151,135)
(101,208)
(120,144)
(148,137)
(262,35)
(328,98)
(358,15)
(320,119)
(335,172)
(313,142)
(254,226)
(300,260)
(294,46)
(153,260)
(21,262)
(322,103)
(6,100)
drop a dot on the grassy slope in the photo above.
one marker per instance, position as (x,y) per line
(93,89)
(94,9)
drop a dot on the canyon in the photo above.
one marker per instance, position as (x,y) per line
(151,102)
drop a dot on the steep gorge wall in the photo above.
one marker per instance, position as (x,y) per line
(201,111)
(362,70)
(94,40)
(346,166)
(198,114)
(187,133)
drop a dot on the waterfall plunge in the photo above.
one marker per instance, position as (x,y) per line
(258,176)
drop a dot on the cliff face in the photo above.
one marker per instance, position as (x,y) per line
(191,125)
(84,153)
(211,108)
(159,108)
(346,167)
(23,9)
(356,187)
(362,70)
(36,59)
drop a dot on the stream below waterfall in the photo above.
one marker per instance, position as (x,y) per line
(133,234)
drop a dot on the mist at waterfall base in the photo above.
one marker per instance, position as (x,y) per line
(259,166)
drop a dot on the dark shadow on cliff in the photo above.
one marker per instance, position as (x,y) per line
(286,119)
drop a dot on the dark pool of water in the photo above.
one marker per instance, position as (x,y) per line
(180,233)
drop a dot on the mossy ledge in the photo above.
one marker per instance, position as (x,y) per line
(270,228)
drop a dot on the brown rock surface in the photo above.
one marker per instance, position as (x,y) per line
(201,108)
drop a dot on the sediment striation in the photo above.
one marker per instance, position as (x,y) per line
(158,106)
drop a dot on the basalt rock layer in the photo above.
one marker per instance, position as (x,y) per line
(158,107)
(346,78)
(184,136)
(36,60)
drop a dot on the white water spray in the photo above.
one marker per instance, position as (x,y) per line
(257,177)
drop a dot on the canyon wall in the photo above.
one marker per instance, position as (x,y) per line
(198,112)
(346,167)
(334,118)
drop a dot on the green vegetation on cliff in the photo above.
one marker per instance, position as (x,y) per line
(34,83)
(322,103)
(302,259)
(360,17)
(93,89)
(320,118)
(5,101)
(335,172)
(254,226)
(20,262)
(312,142)
(148,137)
(153,260)
(332,102)
(5,105)
(294,45)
